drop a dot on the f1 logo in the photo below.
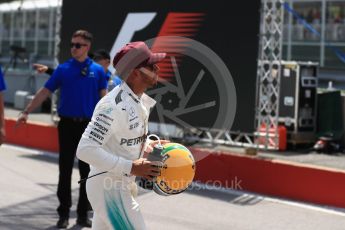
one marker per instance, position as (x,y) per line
(133,22)
(175,24)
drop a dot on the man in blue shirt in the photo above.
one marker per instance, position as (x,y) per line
(101,57)
(2,114)
(82,83)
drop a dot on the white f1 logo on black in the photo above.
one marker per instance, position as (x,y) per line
(133,22)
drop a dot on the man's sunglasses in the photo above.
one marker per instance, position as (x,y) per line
(153,67)
(77,45)
(150,70)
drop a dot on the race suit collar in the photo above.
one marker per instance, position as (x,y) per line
(145,99)
(148,101)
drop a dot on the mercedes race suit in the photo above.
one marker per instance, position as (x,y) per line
(113,139)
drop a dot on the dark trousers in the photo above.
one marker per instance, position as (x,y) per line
(70,132)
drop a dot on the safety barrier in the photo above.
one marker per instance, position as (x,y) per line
(271,177)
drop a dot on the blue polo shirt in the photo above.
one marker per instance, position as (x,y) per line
(80,84)
(108,75)
(117,80)
(2,81)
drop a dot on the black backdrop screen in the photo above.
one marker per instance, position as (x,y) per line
(229,28)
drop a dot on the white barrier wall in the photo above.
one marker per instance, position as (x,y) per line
(23,81)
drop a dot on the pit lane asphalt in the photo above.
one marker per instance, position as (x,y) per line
(28,181)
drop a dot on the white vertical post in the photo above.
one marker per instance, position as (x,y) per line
(36,30)
(11,28)
(51,30)
(57,33)
(1,30)
(53,111)
(23,28)
(323,33)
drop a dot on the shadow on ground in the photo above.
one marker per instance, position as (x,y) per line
(36,214)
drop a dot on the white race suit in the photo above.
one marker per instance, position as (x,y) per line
(112,140)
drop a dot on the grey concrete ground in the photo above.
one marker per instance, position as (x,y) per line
(28,201)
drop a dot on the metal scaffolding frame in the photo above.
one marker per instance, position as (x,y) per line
(223,137)
(269,72)
(268,85)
